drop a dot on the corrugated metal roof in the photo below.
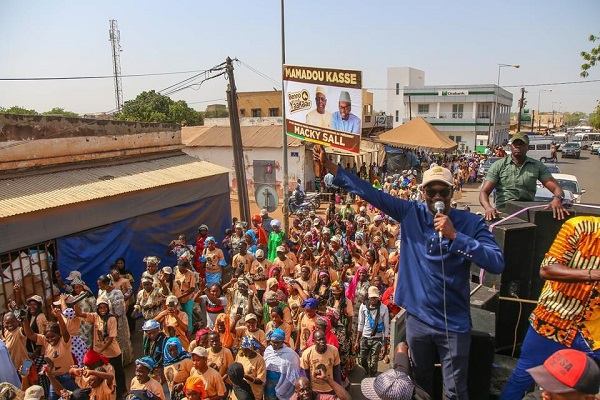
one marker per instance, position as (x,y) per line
(220,136)
(39,192)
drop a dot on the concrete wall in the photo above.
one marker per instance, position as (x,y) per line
(298,166)
(42,141)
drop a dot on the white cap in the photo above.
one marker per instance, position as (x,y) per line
(373,292)
(200,351)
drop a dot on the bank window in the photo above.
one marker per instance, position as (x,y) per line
(423,109)
(397,89)
(242,111)
(458,139)
(273,112)
(256,112)
(483,110)
(457,110)
(397,115)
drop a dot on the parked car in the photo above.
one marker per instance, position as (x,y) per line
(553,168)
(544,195)
(595,147)
(571,149)
(485,166)
(570,183)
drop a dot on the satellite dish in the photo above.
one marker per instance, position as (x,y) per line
(266,197)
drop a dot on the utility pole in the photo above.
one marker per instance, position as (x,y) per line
(286,178)
(236,140)
(521,103)
(115,39)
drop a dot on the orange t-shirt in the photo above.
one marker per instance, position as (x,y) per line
(113,350)
(60,354)
(15,343)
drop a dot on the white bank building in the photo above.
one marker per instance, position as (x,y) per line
(464,112)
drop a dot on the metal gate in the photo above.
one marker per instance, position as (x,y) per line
(32,268)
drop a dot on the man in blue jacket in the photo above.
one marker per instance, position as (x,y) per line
(434,273)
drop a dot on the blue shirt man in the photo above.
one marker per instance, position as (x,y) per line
(434,274)
(344,120)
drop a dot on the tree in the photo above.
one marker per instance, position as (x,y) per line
(595,117)
(17,110)
(572,119)
(62,112)
(590,58)
(155,107)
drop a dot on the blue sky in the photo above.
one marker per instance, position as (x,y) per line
(458,42)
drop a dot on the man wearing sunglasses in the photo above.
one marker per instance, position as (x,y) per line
(434,271)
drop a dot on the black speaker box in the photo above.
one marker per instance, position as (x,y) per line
(516,238)
(481,357)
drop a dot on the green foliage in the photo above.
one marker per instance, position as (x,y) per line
(62,112)
(155,107)
(17,110)
(572,119)
(595,117)
(590,58)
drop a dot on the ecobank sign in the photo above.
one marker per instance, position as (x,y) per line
(453,93)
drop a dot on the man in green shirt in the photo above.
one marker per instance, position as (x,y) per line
(515,178)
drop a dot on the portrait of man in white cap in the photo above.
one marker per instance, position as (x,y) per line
(344,120)
(319,116)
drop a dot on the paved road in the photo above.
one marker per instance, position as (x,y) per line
(587,171)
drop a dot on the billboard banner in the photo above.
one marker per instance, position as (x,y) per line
(323,105)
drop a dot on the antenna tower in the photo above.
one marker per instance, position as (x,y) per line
(115,39)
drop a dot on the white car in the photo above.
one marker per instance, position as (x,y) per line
(570,183)
(595,147)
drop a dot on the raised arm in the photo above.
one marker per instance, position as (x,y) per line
(64,333)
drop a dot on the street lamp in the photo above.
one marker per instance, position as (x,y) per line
(539,113)
(500,66)
(553,103)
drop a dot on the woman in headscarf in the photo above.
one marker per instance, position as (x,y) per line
(250,238)
(276,238)
(149,300)
(194,388)
(278,318)
(125,273)
(283,367)
(295,235)
(275,273)
(324,324)
(255,371)
(357,292)
(87,305)
(323,290)
(178,365)
(223,328)
(123,284)
(215,260)
(143,378)
(241,389)
(116,302)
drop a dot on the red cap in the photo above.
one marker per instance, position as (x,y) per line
(568,371)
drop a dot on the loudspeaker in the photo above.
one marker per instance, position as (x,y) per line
(516,238)
(481,357)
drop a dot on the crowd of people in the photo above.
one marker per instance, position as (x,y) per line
(270,314)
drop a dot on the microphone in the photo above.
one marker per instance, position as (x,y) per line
(439,207)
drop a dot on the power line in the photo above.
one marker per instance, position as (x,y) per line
(257,72)
(518,86)
(64,78)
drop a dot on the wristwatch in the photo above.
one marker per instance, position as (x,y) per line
(561,198)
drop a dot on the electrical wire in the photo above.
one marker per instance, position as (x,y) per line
(518,86)
(446,322)
(517,326)
(263,75)
(64,78)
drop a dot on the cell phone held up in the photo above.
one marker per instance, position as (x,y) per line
(240,310)
(26,367)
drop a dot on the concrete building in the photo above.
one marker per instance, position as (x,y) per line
(263,155)
(77,193)
(464,112)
